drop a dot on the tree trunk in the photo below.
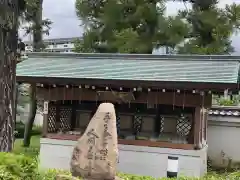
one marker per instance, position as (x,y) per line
(31,117)
(37,45)
(37,31)
(8,48)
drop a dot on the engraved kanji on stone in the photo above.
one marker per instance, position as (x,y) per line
(92,133)
(107,117)
(107,134)
(102,158)
(76,153)
(104,152)
(90,155)
(91,140)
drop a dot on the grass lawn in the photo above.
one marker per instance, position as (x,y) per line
(33,150)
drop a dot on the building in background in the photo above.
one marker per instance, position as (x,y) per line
(67,45)
(163,50)
(54,45)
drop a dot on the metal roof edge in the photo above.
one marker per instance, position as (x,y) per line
(135,56)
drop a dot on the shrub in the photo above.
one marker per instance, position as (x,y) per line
(17,167)
(21,167)
(52,173)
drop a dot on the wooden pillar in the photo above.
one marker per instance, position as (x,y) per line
(58,122)
(205,126)
(197,128)
(157,123)
(73,117)
(118,119)
(45,119)
(201,126)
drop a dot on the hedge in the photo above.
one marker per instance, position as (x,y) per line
(21,167)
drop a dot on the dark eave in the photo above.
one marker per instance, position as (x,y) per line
(130,83)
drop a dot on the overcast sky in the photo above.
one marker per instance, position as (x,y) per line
(66,24)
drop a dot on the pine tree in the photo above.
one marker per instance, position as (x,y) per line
(211,27)
(127,26)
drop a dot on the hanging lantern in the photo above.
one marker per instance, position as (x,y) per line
(174,99)
(203,98)
(72,94)
(184,98)
(80,96)
(49,92)
(64,94)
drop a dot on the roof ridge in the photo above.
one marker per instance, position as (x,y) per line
(136,56)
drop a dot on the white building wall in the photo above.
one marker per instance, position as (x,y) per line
(223,141)
(140,160)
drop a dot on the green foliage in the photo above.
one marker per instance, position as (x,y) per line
(139,26)
(33,23)
(17,167)
(22,167)
(226,102)
(211,27)
(222,101)
(32,151)
(49,175)
(128,26)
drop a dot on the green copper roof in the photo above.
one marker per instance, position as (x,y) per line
(213,69)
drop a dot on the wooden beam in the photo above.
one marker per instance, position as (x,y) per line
(129,142)
(168,98)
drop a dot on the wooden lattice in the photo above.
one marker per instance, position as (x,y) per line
(183,125)
(65,118)
(161,124)
(137,122)
(52,112)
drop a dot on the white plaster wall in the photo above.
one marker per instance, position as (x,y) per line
(23,116)
(132,159)
(223,140)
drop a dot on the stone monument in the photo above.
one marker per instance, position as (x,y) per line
(95,156)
